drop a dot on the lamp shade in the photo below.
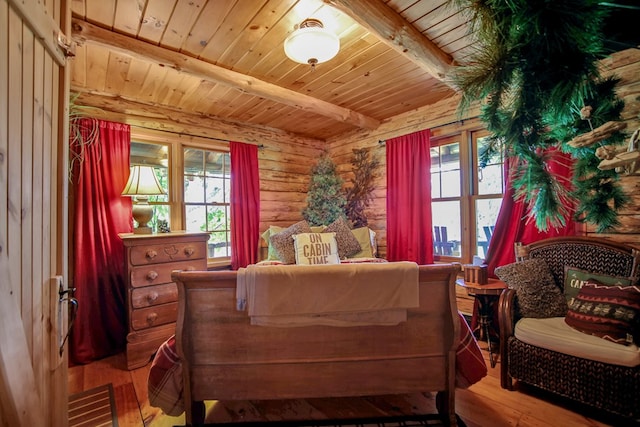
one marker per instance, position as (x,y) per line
(142,182)
(311,43)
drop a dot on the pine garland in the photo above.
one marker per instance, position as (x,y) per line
(536,64)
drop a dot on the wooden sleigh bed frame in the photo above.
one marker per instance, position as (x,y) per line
(226,358)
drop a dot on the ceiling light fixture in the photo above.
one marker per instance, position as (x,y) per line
(311,43)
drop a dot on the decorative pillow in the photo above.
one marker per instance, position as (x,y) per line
(316,248)
(283,241)
(609,312)
(538,295)
(364,239)
(271,251)
(574,278)
(374,242)
(348,245)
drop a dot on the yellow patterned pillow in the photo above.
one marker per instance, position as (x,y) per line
(316,248)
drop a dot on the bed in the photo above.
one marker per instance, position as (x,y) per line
(221,355)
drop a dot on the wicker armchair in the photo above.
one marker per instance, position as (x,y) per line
(607,387)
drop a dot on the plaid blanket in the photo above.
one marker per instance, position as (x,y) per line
(165,376)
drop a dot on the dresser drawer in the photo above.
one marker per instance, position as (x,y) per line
(168,252)
(154,295)
(144,318)
(157,274)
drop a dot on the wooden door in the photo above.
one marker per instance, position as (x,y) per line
(33,213)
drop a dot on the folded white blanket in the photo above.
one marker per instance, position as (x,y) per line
(342,294)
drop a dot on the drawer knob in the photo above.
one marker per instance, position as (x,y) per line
(151,254)
(151,318)
(152,275)
(188,251)
(152,297)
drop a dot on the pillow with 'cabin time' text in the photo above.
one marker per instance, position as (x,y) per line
(316,248)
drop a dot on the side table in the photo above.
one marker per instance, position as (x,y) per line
(486,295)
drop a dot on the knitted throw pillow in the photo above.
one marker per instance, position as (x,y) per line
(348,244)
(538,295)
(283,241)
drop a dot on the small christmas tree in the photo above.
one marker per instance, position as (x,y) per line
(325,198)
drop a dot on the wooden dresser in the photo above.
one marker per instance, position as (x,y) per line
(151,295)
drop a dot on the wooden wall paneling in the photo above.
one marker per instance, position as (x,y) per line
(156,14)
(265,18)
(100,11)
(211,17)
(40,265)
(79,65)
(136,75)
(25,154)
(127,17)
(182,19)
(97,62)
(14,157)
(4,129)
(116,72)
(234,24)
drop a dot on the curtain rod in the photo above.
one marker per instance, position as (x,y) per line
(260,146)
(460,121)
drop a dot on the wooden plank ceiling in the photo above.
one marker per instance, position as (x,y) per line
(224,59)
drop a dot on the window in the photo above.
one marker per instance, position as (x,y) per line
(156,155)
(466,199)
(197,183)
(207,196)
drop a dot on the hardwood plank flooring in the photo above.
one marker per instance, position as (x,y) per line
(483,404)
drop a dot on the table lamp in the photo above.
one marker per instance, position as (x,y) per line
(142,184)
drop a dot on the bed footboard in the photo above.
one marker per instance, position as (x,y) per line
(226,358)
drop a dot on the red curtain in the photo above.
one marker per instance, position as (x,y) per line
(245,204)
(513,226)
(409,225)
(100,213)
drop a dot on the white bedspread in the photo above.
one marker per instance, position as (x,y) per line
(338,295)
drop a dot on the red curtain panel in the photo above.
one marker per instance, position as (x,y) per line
(513,225)
(99,214)
(245,204)
(409,224)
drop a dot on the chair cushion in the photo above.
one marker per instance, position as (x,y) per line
(608,312)
(554,334)
(574,278)
(538,295)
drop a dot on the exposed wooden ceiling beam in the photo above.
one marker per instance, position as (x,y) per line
(84,32)
(169,119)
(384,22)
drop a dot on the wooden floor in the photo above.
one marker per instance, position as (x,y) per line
(483,404)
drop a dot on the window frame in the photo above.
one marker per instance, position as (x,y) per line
(176,144)
(467,138)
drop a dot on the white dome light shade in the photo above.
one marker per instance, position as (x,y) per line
(311,43)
